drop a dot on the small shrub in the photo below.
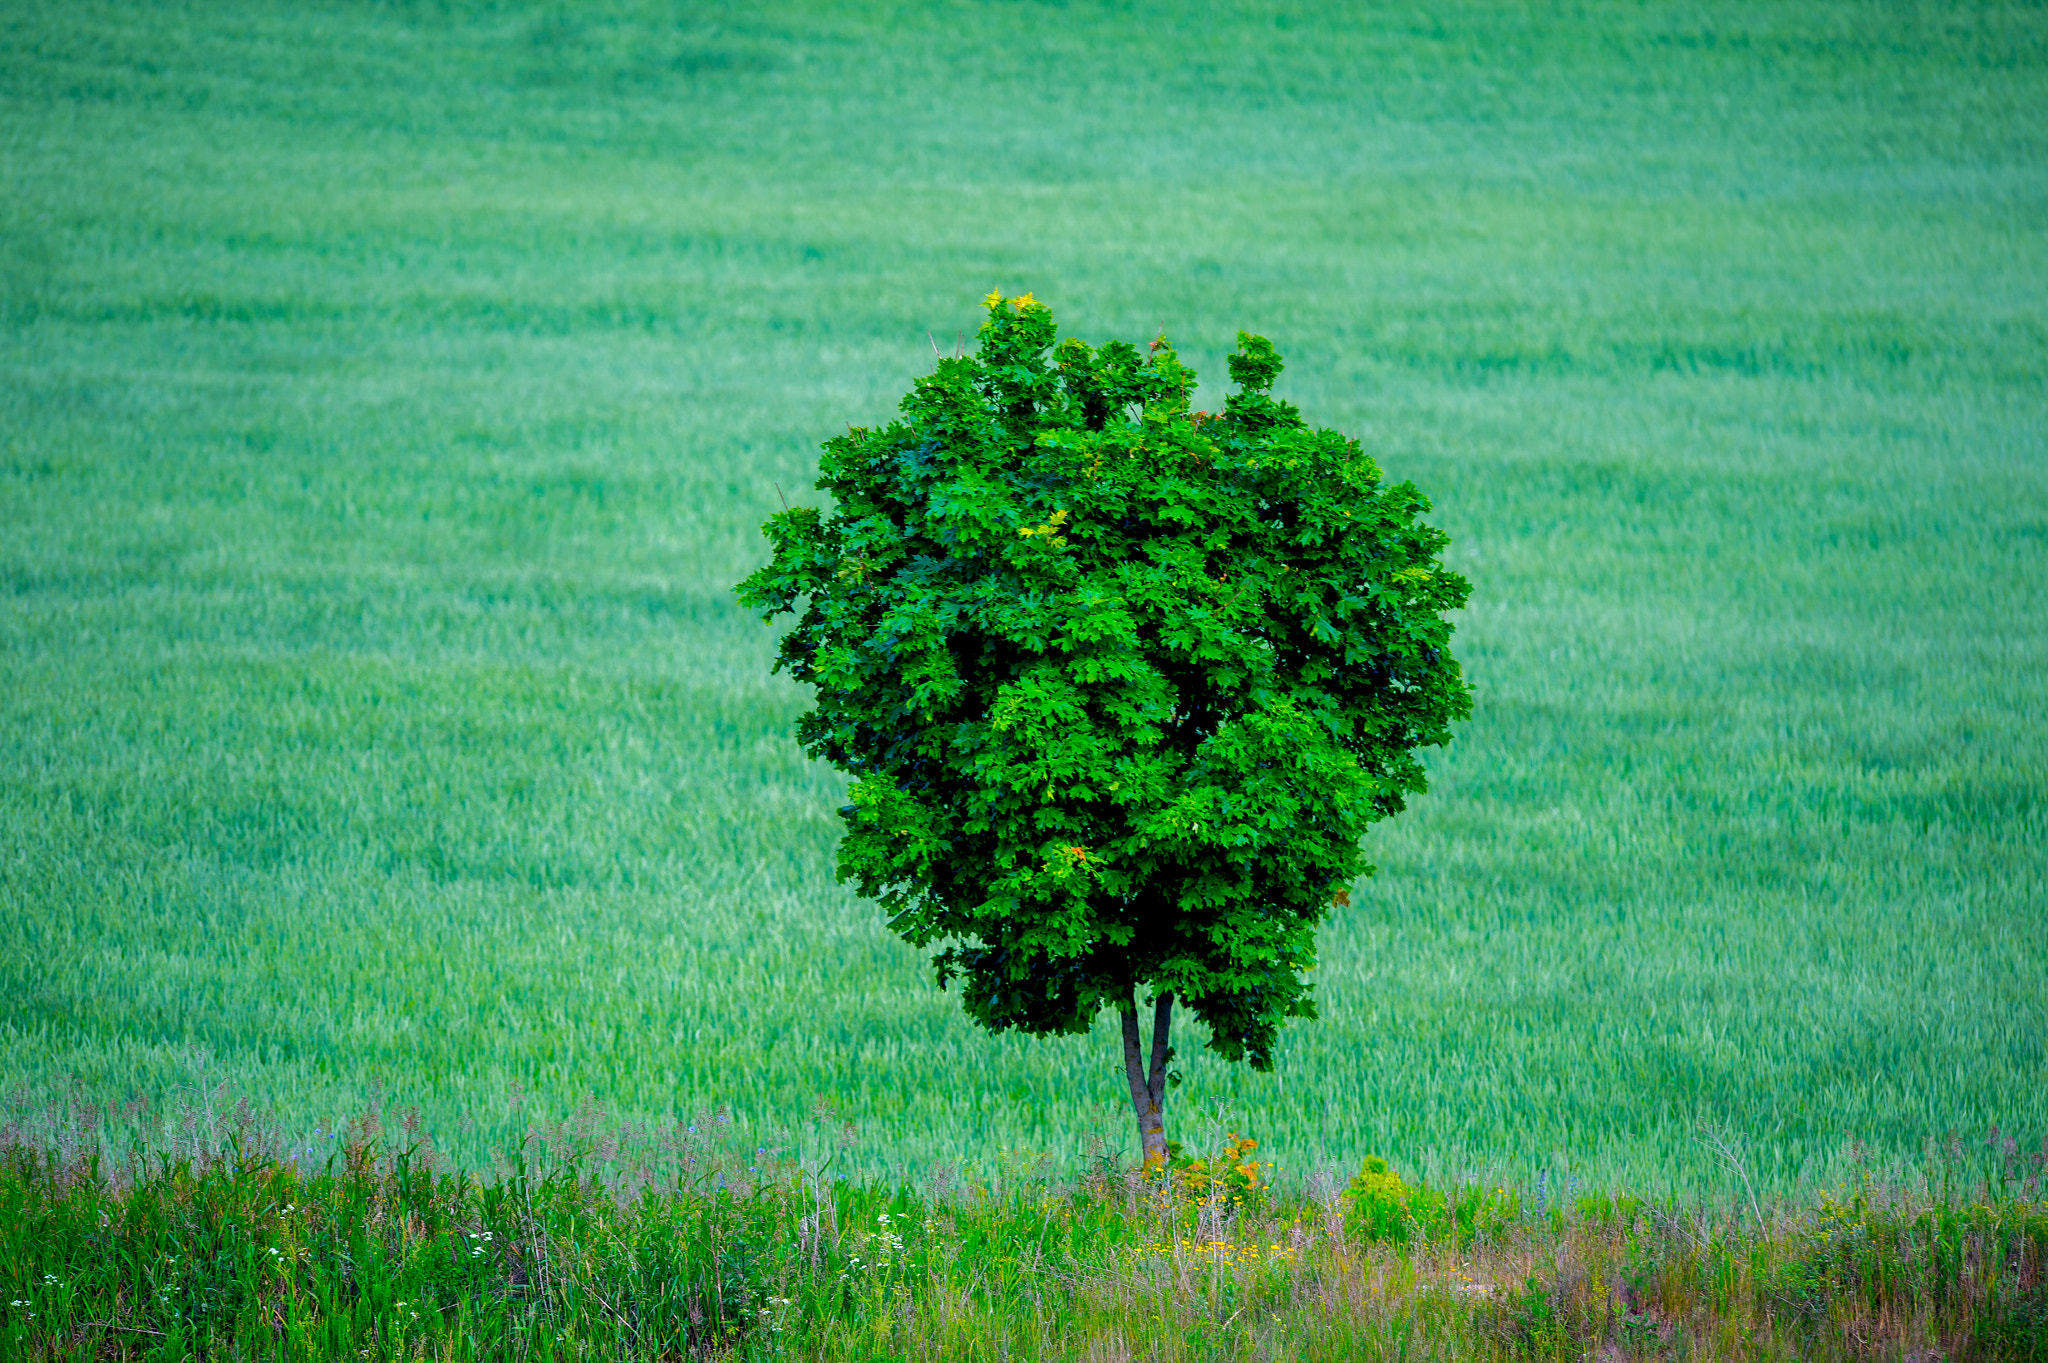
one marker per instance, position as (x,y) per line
(1233,1175)
(1380,1206)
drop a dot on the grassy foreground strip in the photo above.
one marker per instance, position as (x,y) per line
(682,1243)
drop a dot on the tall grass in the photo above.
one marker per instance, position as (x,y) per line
(685,1242)
(388,396)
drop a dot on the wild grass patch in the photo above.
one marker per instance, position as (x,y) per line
(593,1240)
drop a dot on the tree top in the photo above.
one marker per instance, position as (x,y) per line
(1120,685)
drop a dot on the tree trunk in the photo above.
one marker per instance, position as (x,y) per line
(1148,1085)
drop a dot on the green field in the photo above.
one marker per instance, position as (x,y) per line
(389,395)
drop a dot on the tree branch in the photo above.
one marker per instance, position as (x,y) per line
(1162,1054)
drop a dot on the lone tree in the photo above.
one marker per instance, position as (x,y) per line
(1120,685)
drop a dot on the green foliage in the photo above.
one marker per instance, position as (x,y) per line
(1120,684)
(1380,1206)
(1233,1176)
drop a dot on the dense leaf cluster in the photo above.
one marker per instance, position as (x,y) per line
(1120,684)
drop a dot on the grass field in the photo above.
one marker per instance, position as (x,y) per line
(388,396)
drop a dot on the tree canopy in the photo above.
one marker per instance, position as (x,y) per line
(1120,685)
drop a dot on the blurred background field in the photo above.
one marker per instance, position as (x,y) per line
(389,395)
